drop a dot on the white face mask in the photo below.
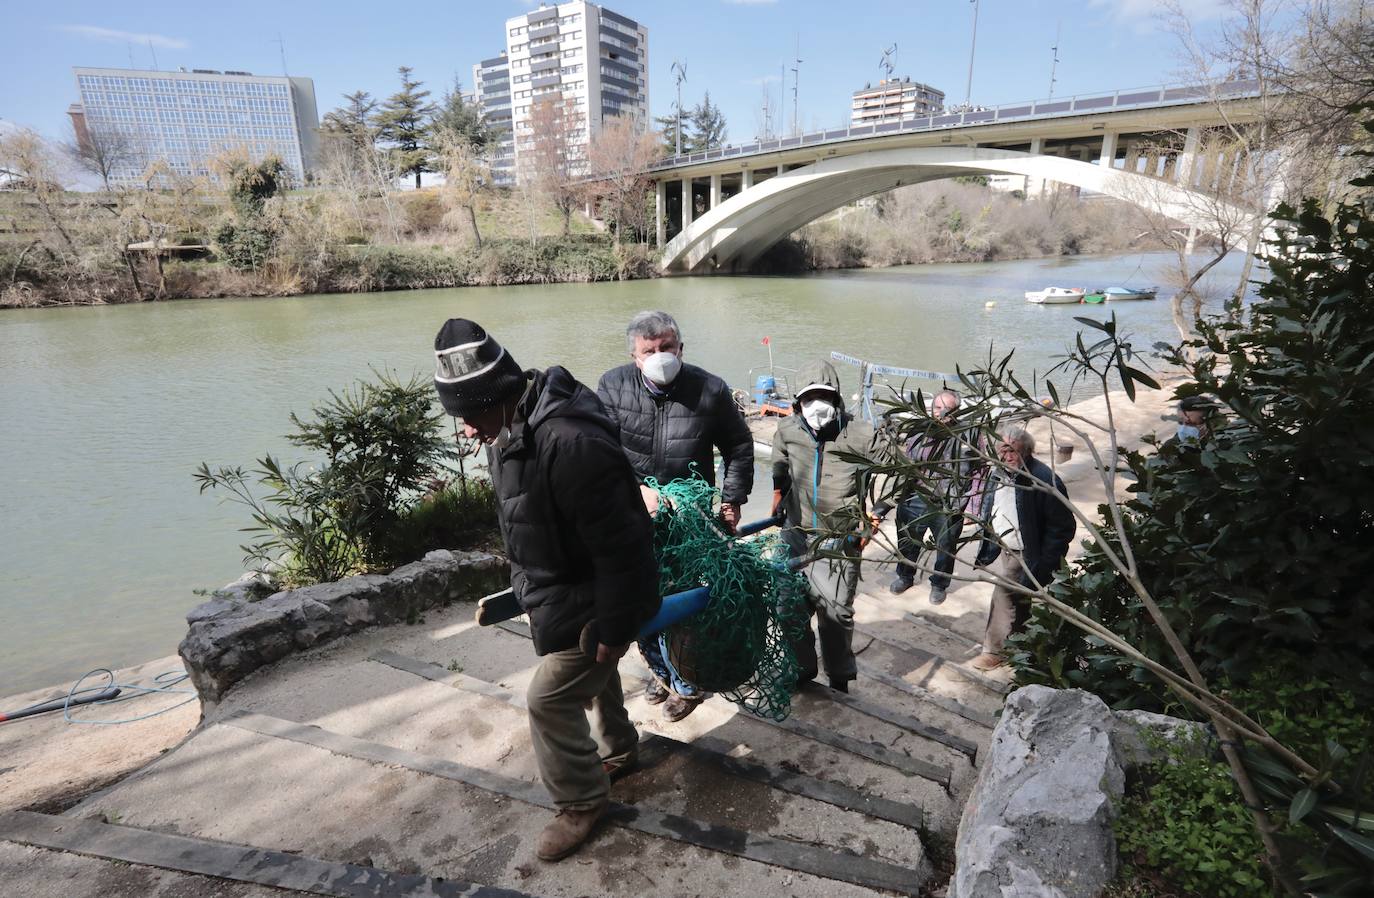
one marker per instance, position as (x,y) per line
(662,368)
(818,413)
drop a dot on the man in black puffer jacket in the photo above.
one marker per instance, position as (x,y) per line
(671,417)
(581,556)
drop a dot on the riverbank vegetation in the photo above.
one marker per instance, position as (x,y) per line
(385,484)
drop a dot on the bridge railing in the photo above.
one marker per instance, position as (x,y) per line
(1127,98)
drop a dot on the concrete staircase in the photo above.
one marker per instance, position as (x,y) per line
(397,762)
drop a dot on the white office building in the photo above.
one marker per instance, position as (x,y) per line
(893,100)
(188,118)
(577,52)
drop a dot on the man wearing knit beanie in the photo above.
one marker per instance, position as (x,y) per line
(581,555)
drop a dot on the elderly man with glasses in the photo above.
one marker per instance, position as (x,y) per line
(1027,530)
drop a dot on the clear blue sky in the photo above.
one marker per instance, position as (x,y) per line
(733,48)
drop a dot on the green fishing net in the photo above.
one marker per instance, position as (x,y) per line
(740,645)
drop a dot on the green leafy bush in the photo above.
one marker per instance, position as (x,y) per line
(378,497)
(1258,543)
(1184,829)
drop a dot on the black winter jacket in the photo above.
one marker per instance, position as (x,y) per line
(664,435)
(579,539)
(1047,526)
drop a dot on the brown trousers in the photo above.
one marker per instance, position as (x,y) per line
(1009,610)
(568,688)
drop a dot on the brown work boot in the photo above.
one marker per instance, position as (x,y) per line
(987,661)
(678,707)
(567,831)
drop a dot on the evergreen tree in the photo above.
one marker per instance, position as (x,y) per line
(461,121)
(704,127)
(354,121)
(668,130)
(403,123)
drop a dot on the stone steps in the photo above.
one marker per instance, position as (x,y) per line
(406,749)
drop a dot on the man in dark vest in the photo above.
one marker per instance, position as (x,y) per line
(581,557)
(672,416)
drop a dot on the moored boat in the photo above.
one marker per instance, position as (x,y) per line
(1118,293)
(1056,295)
(1095,297)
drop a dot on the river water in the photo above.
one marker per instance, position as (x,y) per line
(106,411)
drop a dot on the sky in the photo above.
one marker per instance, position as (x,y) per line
(735,49)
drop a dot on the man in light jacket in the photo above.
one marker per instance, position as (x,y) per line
(812,486)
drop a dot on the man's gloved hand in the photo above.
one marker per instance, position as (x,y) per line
(729,513)
(777,503)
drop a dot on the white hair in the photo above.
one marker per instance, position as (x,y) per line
(649,325)
(1019,437)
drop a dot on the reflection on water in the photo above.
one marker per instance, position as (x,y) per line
(108,410)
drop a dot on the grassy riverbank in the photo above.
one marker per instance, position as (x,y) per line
(72,250)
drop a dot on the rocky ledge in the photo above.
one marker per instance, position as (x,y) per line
(232,635)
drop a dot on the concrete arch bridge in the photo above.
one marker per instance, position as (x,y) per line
(724,209)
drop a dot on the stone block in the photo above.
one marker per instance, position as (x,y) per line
(1139,737)
(1039,821)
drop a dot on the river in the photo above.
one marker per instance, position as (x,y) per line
(107,410)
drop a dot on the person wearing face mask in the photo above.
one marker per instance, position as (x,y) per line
(581,558)
(672,417)
(811,486)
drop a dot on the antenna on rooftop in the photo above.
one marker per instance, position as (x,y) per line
(281,45)
(1054,64)
(889,60)
(154,52)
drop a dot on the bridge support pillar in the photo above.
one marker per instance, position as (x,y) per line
(715,191)
(686,203)
(1187,160)
(660,214)
(1108,157)
(748,179)
(1035,186)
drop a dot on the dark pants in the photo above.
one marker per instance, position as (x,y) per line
(831,585)
(913,521)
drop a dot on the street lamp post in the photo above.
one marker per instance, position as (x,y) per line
(968,91)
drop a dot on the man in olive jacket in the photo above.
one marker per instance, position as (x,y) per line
(671,416)
(811,485)
(581,555)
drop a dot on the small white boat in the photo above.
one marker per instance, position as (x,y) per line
(1115,293)
(1054,295)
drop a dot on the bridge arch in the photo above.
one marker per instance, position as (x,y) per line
(733,235)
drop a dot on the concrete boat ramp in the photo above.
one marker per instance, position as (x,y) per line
(397,762)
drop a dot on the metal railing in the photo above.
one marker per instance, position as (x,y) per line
(1128,98)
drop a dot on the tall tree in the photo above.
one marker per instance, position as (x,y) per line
(461,121)
(102,152)
(550,157)
(668,124)
(403,123)
(704,127)
(353,121)
(618,160)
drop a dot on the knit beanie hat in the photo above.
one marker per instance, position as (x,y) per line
(472,371)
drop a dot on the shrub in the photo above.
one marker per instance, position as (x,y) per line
(424,211)
(364,506)
(1184,829)
(243,247)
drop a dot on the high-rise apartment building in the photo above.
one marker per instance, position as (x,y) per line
(491,85)
(892,100)
(187,118)
(579,54)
